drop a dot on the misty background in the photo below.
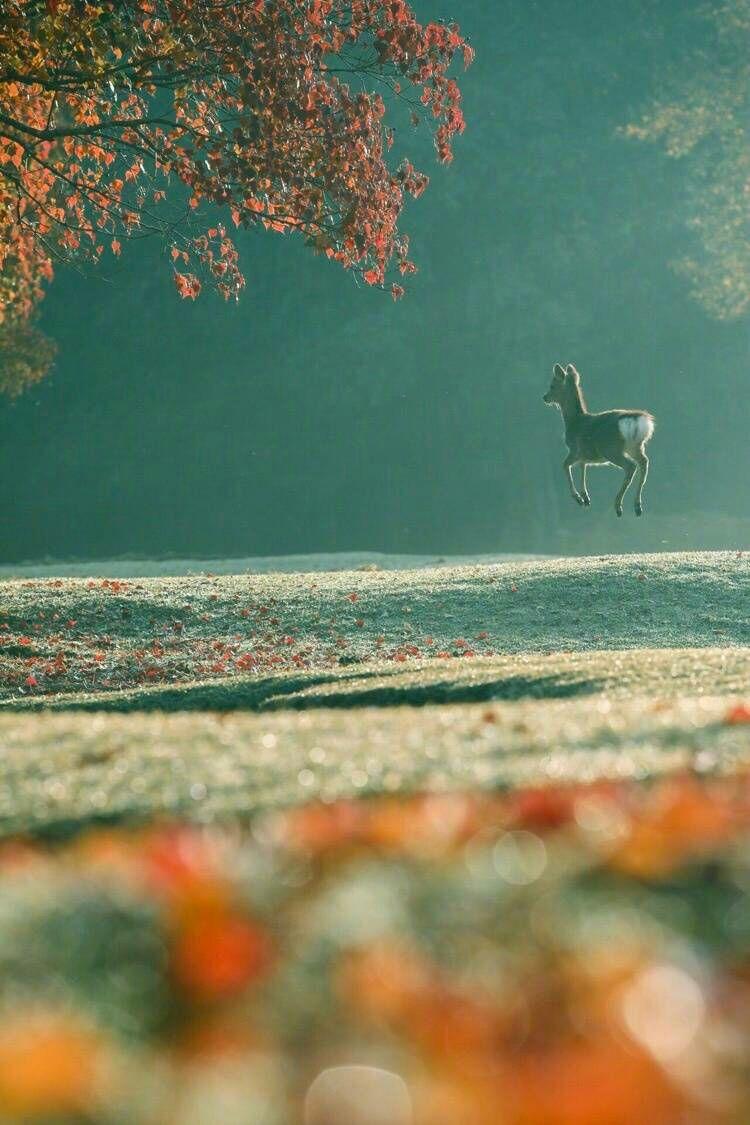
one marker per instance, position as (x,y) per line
(317,415)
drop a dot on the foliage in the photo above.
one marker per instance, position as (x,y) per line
(704,119)
(26,354)
(572,955)
(107,108)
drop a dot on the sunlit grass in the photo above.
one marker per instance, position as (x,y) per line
(78,636)
(65,770)
(667,673)
(339,684)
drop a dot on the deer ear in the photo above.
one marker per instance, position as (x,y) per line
(557,370)
(572,373)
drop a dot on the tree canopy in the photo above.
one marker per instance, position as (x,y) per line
(703,116)
(186,118)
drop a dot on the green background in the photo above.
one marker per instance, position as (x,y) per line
(316,415)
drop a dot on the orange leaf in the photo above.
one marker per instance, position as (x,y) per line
(48,1067)
(737,715)
(218,955)
(187,285)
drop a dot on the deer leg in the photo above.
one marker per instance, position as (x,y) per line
(628,464)
(584,489)
(642,474)
(568,464)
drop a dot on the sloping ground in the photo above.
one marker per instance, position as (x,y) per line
(515,673)
(667,673)
(75,635)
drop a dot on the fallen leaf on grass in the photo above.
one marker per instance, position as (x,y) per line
(737,715)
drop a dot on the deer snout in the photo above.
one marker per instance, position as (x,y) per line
(547,399)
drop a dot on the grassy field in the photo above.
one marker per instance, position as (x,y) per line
(512,673)
(70,637)
(540,909)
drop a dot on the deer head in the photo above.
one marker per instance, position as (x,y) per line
(556,393)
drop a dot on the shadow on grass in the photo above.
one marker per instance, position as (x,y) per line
(236,694)
(440,691)
(336,690)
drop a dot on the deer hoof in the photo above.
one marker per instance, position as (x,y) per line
(638,510)
(618,511)
(587,500)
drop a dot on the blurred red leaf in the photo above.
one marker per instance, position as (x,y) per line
(216,956)
(737,715)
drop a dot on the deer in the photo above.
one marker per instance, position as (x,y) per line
(613,437)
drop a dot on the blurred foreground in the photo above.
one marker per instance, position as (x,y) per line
(576,955)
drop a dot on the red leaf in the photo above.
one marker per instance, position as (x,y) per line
(187,285)
(217,956)
(737,715)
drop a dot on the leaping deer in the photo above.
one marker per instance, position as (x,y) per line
(614,437)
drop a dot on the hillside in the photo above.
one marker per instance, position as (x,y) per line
(523,672)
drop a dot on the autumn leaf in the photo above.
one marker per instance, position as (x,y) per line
(737,715)
(187,285)
(321,170)
(216,956)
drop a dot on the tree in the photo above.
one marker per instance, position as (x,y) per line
(705,119)
(122,118)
